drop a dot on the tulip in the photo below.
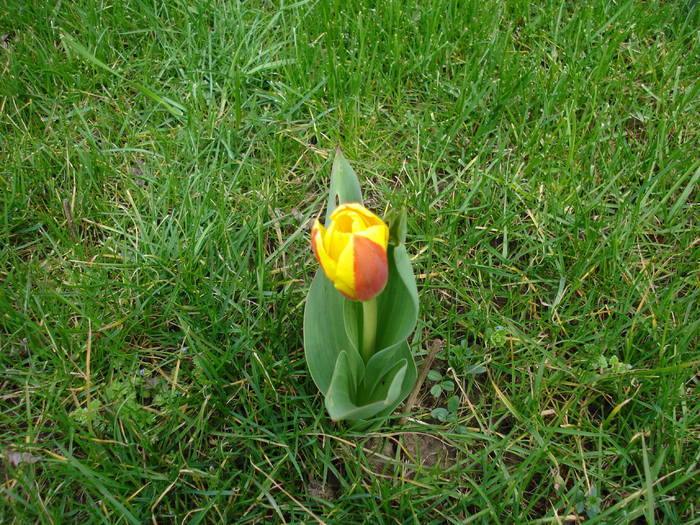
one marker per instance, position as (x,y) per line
(352,253)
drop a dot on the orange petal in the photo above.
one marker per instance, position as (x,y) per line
(371,268)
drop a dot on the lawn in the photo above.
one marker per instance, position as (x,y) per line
(160,167)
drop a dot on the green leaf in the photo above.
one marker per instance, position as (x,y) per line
(396,219)
(331,322)
(344,185)
(341,395)
(448,386)
(398,303)
(379,388)
(434,375)
(436,390)
(384,360)
(325,335)
(498,336)
(441,414)
(453,404)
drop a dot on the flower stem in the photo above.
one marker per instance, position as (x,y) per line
(369,327)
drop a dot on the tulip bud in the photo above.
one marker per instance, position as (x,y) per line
(352,251)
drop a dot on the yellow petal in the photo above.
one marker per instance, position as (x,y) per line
(344,279)
(335,241)
(358,210)
(378,234)
(317,240)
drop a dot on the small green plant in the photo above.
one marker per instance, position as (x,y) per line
(588,502)
(609,365)
(459,358)
(449,414)
(120,398)
(91,413)
(496,337)
(443,386)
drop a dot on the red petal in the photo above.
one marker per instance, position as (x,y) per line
(371,268)
(313,244)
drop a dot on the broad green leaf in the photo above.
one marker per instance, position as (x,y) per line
(383,360)
(378,365)
(344,185)
(381,388)
(341,396)
(325,336)
(398,303)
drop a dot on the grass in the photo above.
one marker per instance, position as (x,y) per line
(160,164)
